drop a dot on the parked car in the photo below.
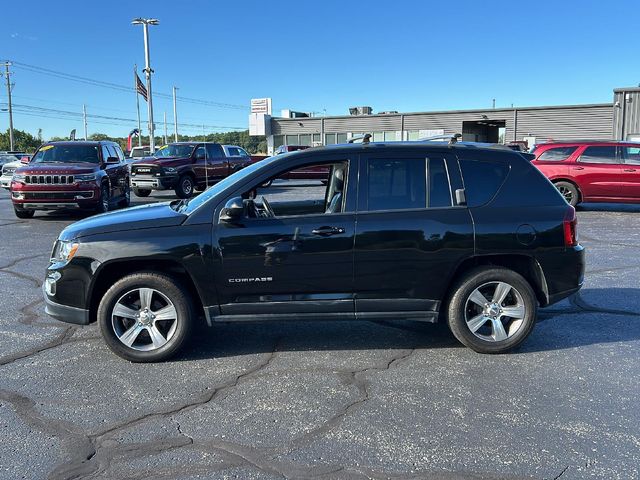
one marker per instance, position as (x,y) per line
(6,172)
(6,157)
(184,167)
(592,171)
(289,148)
(473,237)
(139,152)
(71,175)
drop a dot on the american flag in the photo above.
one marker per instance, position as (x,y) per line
(142,90)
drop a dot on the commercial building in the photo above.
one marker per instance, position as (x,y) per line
(618,120)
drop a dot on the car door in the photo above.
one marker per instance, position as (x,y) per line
(217,162)
(297,263)
(410,233)
(598,172)
(113,171)
(630,188)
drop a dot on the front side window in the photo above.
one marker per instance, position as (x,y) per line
(314,189)
(631,155)
(214,150)
(556,154)
(599,154)
(396,184)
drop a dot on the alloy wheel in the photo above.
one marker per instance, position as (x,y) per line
(144,319)
(566,193)
(187,186)
(495,311)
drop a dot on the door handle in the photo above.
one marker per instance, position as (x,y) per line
(629,169)
(578,168)
(327,231)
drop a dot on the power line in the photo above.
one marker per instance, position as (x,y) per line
(118,87)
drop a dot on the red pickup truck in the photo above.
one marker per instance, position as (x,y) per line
(184,167)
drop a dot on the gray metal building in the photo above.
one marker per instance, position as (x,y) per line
(619,119)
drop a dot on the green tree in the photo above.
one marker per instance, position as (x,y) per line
(22,141)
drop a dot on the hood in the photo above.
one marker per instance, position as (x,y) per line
(154,215)
(58,168)
(162,161)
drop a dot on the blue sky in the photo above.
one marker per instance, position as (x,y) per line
(315,56)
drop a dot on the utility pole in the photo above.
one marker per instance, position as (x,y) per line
(175,116)
(165,128)
(8,75)
(145,22)
(494,103)
(84,117)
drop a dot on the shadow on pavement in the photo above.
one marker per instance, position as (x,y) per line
(608,207)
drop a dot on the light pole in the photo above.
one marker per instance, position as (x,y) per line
(8,75)
(175,116)
(145,22)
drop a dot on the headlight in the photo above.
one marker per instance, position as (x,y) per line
(169,170)
(8,171)
(18,177)
(64,251)
(85,177)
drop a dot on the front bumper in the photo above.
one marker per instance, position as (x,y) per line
(150,182)
(64,313)
(55,197)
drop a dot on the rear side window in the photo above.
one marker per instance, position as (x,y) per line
(631,155)
(214,150)
(396,184)
(482,179)
(557,154)
(599,154)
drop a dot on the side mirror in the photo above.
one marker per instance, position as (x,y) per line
(233,210)
(112,160)
(25,160)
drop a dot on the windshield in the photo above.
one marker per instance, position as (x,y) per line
(175,150)
(188,206)
(67,154)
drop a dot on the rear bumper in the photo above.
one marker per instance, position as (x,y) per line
(564,274)
(65,313)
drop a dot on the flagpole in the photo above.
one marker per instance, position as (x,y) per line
(135,88)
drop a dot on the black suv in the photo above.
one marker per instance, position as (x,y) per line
(474,237)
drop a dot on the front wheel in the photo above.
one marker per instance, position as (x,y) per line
(146,317)
(492,310)
(569,192)
(185,187)
(103,203)
(22,213)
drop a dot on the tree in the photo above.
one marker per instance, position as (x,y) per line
(22,141)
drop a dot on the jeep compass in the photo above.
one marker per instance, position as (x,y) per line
(473,237)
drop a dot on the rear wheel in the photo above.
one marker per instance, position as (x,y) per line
(492,310)
(126,198)
(22,213)
(141,192)
(185,186)
(569,192)
(146,317)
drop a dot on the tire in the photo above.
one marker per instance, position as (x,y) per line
(126,201)
(185,186)
(22,213)
(142,192)
(103,203)
(569,191)
(465,315)
(141,333)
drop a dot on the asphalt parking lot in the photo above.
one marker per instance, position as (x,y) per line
(327,400)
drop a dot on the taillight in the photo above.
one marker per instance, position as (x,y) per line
(569,225)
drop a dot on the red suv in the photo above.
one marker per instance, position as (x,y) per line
(78,175)
(592,171)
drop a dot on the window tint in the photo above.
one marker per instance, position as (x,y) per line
(439,190)
(396,184)
(482,179)
(557,154)
(631,155)
(106,153)
(233,152)
(214,150)
(599,154)
(119,152)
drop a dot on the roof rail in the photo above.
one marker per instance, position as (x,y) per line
(452,139)
(366,138)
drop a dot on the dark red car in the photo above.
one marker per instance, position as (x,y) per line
(71,175)
(592,171)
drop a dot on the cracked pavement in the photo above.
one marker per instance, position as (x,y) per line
(327,400)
